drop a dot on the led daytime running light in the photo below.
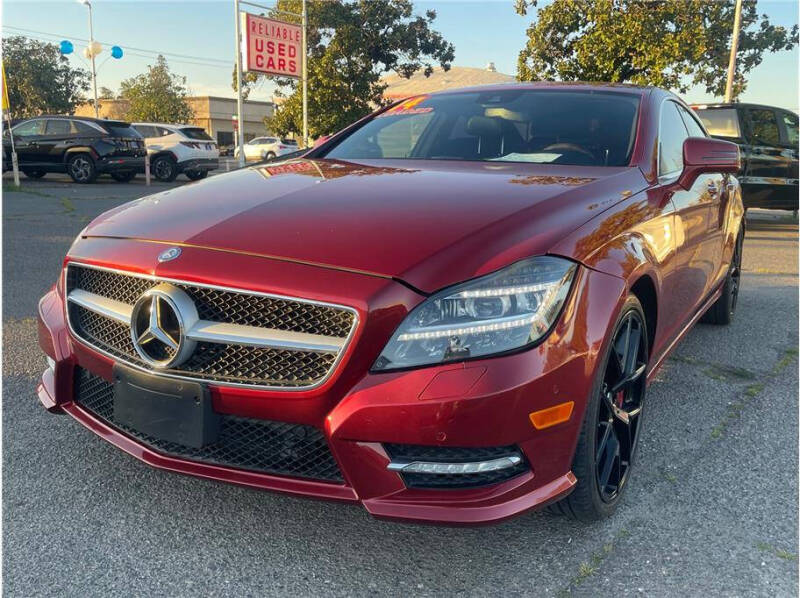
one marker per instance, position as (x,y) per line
(448,332)
(528,288)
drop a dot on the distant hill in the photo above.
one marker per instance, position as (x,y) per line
(457,76)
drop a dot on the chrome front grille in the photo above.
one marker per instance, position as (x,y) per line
(243,338)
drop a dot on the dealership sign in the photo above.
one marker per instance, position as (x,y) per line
(270,46)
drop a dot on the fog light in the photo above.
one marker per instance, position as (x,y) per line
(434,467)
(544,418)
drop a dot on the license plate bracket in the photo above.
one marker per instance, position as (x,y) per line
(178,411)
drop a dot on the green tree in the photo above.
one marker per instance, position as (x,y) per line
(350,45)
(669,43)
(40,79)
(105,93)
(157,95)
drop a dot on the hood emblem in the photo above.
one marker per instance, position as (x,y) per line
(169,254)
(160,320)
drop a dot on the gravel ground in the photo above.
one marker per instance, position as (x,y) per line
(711,508)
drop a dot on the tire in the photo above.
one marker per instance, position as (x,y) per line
(34,174)
(595,495)
(270,156)
(196,175)
(81,169)
(123,177)
(722,311)
(164,169)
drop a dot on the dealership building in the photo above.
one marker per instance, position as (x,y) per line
(214,114)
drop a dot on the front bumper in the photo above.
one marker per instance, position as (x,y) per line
(483,403)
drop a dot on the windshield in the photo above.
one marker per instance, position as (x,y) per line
(722,122)
(516,125)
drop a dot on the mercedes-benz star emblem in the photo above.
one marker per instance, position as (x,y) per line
(169,254)
(160,321)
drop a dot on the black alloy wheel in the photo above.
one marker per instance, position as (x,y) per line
(165,169)
(620,410)
(81,168)
(721,312)
(612,421)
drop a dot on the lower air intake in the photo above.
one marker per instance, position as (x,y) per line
(244,443)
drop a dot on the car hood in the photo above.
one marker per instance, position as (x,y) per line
(429,224)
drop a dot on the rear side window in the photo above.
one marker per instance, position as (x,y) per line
(790,124)
(671,135)
(721,122)
(29,129)
(196,133)
(765,126)
(57,128)
(289,141)
(83,128)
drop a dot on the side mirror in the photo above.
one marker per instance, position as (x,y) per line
(703,154)
(320,141)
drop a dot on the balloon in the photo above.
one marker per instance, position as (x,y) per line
(67,47)
(95,48)
(116,52)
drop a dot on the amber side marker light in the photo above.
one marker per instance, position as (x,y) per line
(558,414)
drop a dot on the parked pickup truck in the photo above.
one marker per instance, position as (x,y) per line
(768,140)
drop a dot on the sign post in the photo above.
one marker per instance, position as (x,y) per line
(239,78)
(271,47)
(7,112)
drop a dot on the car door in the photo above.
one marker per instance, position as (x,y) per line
(26,141)
(57,137)
(698,248)
(719,188)
(769,162)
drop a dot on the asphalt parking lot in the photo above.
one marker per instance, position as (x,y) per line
(711,508)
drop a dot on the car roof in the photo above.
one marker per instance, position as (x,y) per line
(571,85)
(101,121)
(173,125)
(737,105)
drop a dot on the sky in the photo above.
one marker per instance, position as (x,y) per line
(197,39)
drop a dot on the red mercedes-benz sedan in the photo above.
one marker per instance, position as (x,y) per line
(448,312)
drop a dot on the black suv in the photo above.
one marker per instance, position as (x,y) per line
(767,137)
(82,147)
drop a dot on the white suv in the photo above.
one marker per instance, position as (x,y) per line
(267,148)
(176,149)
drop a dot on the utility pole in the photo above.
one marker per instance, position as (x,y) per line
(737,23)
(305,76)
(88,5)
(239,103)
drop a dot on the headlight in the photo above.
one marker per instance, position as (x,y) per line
(500,312)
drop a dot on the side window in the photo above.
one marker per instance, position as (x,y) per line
(161,132)
(81,128)
(671,135)
(764,126)
(721,122)
(694,128)
(29,129)
(144,130)
(790,126)
(57,128)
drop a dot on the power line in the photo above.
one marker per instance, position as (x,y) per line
(206,61)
